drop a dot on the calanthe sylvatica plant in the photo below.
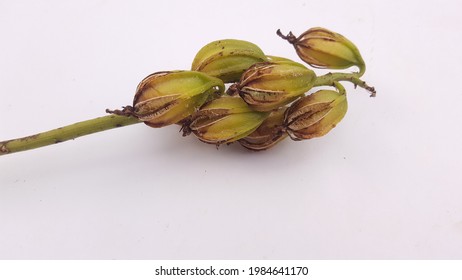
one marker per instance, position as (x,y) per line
(268,99)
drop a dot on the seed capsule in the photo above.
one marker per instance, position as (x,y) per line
(272,58)
(224,120)
(322,48)
(164,98)
(268,134)
(316,114)
(269,85)
(227,59)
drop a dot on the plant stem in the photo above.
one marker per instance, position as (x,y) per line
(330,78)
(65,133)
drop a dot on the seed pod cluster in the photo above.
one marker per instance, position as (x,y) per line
(269,97)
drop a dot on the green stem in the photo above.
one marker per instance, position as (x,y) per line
(65,133)
(330,79)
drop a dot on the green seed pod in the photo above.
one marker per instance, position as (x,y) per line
(270,85)
(268,134)
(316,114)
(224,120)
(227,59)
(165,98)
(272,58)
(322,48)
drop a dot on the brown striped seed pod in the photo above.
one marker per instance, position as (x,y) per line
(322,48)
(224,120)
(165,98)
(227,59)
(270,85)
(268,134)
(316,114)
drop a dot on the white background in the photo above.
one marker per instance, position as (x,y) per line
(385,184)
